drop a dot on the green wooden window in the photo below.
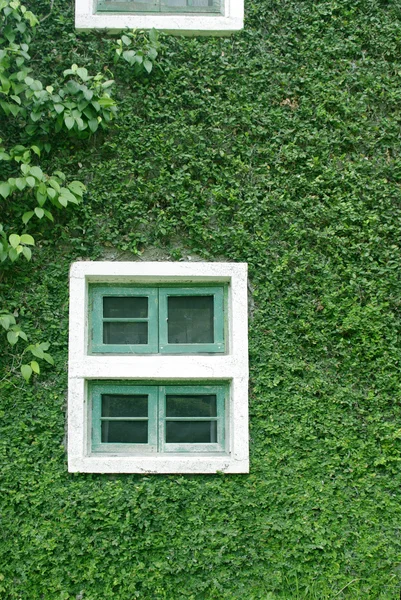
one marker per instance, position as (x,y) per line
(143,419)
(161,6)
(167,320)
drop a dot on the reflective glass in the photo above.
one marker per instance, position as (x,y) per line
(114,405)
(191,432)
(190,319)
(125,333)
(191,406)
(125,432)
(125,307)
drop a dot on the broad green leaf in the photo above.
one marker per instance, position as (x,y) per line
(39,212)
(14,240)
(27,239)
(54,185)
(12,337)
(5,189)
(58,108)
(35,367)
(26,372)
(36,351)
(22,335)
(82,73)
(12,254)
(147,65)
(77,187)
(48,215)
(69,122)
(30,181)
(48,358)
(27,252)
(20,182)
(27,216)
(93,125)
(37,172)
(25,168)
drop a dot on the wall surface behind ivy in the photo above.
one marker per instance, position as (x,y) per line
(278,146)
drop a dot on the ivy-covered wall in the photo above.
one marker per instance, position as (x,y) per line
(278,146)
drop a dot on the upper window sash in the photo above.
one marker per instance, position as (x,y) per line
(169,325)
(101,324)
(161,6)
(215,343)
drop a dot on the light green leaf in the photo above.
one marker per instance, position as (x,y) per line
(12,337)
(27,239)
(36,351)
(39,212)
(30,181)
(148,65)
(48,358)
(27,216)
(27,252)
(26,372)
(35,367)
(20,182)
(14,240)
(12,254)
(37,172)
(5,189)
(69,122)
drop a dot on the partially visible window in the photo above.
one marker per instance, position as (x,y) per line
(145,419)
(151,320)
(161,6)
(187,17)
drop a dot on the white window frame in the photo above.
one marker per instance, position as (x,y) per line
(191,24)
(230,368)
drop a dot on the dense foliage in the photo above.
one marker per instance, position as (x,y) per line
(278,146)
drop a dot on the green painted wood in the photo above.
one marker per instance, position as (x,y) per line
(160,6)
(157,319)
(218,345)
(96,389)
(96,320)
(221,391)
(156,417)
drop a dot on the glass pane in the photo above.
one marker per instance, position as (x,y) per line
(125,333)
(125,307)
(187,432)
(187,3)
(190,319)
(191,406)
(125,432)
(114,405)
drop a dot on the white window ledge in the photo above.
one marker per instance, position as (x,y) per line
(230,368)
(232,20)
